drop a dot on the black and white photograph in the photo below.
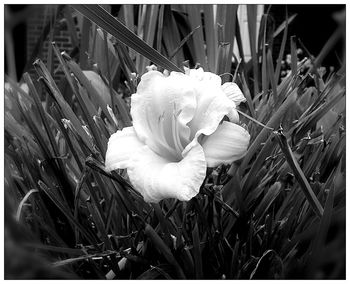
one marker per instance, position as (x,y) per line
(174,141)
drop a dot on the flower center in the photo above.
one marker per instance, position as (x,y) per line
(175,130)
(165,133)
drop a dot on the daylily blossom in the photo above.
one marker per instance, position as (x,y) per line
(178,131)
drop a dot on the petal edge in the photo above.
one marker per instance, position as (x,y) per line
(233,92)
(121,146)
(156,178)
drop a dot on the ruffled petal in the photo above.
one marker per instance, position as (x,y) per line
(227,144)
(156,178)
(121,146)
(233,92)
(200,75)
(161,109)
(212,106)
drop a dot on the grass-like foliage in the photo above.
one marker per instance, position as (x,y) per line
(279,213)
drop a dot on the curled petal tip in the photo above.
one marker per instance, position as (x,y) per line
(233,92)
(151,68)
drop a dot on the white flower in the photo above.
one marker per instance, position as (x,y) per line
(177,133)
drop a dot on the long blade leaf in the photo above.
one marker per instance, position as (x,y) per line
(113,26)
(299,175)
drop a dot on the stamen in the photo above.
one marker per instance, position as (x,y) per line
(161,127)
(162,135)
(175,131)
(157,137)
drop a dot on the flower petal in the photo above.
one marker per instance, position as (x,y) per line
(212,106)
(161,109)
(121,146)
(156,178)
(227,144)
(200,75)
(233,92)
(233,115)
